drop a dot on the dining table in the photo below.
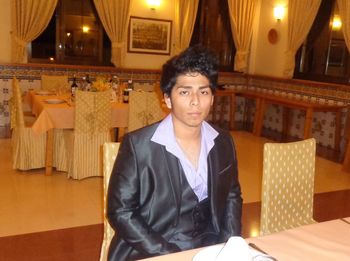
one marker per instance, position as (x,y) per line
(57,111)
(324,241)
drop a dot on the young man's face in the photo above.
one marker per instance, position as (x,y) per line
(190,100)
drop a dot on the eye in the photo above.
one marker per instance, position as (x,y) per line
(184,92)
(205,91)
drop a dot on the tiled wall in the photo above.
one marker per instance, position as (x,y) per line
(5,95)
(323,123)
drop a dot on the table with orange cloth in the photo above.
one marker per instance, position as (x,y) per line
(320,241)
(61,116)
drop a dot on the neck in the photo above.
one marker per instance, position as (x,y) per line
(189,140)
(187,133)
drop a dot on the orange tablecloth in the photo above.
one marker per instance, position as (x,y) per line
(321,241)
(61,116)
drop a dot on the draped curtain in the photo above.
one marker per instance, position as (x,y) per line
(242,14)
(344,12)
(321,20)
(301,14)
(114,16)
(29,19)
(185,18)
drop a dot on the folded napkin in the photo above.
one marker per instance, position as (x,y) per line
(235,247)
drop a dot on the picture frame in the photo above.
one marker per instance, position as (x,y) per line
(149,36)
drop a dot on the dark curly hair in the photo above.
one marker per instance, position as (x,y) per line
(195,59)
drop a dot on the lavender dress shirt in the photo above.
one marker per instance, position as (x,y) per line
(197,178)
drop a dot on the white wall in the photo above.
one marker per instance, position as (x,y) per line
(266,58)
(165,11)
(5,39)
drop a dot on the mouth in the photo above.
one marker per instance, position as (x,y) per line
(194,114)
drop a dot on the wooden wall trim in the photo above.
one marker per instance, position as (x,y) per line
(33,71)
(234,75)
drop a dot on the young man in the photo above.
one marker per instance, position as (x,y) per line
(175,185)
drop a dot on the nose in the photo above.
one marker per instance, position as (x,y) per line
(194,99)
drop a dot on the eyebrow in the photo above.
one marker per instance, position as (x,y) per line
(189,87)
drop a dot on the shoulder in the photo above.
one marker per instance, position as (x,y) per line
(224,143)
(222,134)
(137,145)
(142,135)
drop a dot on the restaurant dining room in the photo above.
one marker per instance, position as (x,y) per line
(77,76)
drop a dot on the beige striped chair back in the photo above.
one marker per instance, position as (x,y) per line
(288,185)
(144,109)
(55,83)
(91,131)
(93,112)
(28,149)
(16,106)
(110,151)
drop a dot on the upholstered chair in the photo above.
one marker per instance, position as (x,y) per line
(288,185)
(28,148)
(60,160)
(55,83)
(144,109)
(110,151)
(91,131)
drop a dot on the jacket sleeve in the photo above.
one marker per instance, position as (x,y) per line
(123,205)
(231,224)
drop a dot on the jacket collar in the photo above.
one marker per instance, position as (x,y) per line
(213,170)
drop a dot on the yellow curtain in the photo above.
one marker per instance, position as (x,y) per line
(185,17)
(344,12)
(114,16)
(29,19)
(242,13)
(301,14)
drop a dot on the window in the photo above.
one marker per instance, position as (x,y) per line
(74,35)
(212,29)
(324,56)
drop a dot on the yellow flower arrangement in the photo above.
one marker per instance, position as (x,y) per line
(100,85)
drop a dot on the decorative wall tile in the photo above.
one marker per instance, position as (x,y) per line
(322,129)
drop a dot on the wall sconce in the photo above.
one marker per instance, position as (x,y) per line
(336,23)
(153,4)
(278,12)
(86,29)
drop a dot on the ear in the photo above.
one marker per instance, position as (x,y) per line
(212,100)
(167,100)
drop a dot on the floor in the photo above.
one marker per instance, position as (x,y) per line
(62,218)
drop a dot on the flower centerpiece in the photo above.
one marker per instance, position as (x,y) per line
(100,85)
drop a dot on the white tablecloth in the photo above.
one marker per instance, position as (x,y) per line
(323,241)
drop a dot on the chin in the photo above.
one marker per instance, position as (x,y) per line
(194,123)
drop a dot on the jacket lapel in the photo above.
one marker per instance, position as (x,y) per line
(173,171)
(213,170)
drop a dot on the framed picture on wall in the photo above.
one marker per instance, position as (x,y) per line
(148,35)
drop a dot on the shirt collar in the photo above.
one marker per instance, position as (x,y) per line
(165,135)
